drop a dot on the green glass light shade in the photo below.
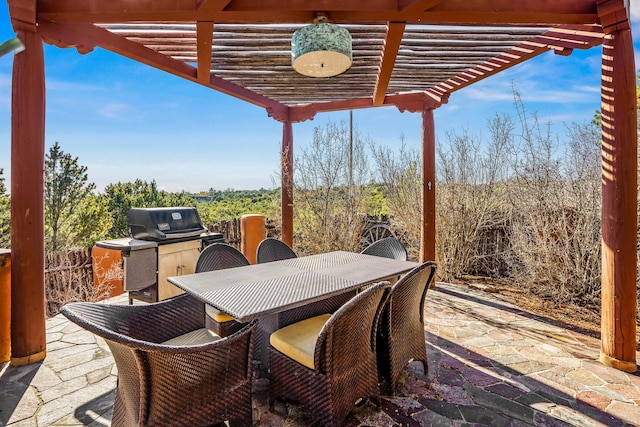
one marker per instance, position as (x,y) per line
(11,45)
(321,50)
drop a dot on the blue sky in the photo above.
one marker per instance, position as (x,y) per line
(124,120)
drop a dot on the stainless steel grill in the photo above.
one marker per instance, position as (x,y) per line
(165,241)
(159,224)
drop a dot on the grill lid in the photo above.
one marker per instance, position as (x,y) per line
(159,224)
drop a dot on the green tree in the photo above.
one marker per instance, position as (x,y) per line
(227,205)
(5,215)
(92,221)
(66,186)
(121,197)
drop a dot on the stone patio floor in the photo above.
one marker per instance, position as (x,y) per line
(490,363)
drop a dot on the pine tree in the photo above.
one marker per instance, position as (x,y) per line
(66,186)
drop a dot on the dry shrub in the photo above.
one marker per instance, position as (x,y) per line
(329,191)
(470,202)
(555,198)
(399,175)
(516,205)
(69,277)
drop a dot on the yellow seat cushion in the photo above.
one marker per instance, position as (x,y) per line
(217,315)
(298,340)
(199,336)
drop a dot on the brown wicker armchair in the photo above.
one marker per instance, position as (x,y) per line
(389,247)
(162,380)
(219,256)
(328,362)
(401,331)
(271,249)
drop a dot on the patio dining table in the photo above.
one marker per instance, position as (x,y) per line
(282,292)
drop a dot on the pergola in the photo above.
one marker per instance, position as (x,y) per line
(411,54)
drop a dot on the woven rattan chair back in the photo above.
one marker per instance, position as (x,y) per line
(401,332)
(344,359)
(170,385)
(219,256)
(389,247)
(271,249)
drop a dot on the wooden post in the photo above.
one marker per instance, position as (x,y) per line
(428,237)
(252,232)
(28,334)
(286,164)
(5,305)
(619,202)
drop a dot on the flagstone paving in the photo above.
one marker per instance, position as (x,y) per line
(490,363)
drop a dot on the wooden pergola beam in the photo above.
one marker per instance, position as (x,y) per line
(417,5)
(208,6)
(294,11)
(204,31)
(23,15)
(392,42)
(513,57)
(410,102)
(86,36)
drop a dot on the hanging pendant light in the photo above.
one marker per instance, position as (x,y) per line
(11,45)
(321,50)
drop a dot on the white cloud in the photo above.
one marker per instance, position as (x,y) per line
(113,110)
(490,94)
(71,86)
(590,89)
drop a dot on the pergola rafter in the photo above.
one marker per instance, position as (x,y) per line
(411,54)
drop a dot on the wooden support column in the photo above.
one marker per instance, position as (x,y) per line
(28,336)
(286,164)
(428,226)
(619,202)
(5,305)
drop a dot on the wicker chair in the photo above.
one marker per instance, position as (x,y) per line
(389,247)
(271,249)
(171,371)
(219,256)
(335,358)
(401,331)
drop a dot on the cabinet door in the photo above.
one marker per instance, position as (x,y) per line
(189,258)
(175,259)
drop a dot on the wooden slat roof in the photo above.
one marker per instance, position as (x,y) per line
(408,53)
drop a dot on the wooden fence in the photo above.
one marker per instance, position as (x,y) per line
(68,277)
(69,274)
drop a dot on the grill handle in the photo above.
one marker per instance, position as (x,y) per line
(181,235)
